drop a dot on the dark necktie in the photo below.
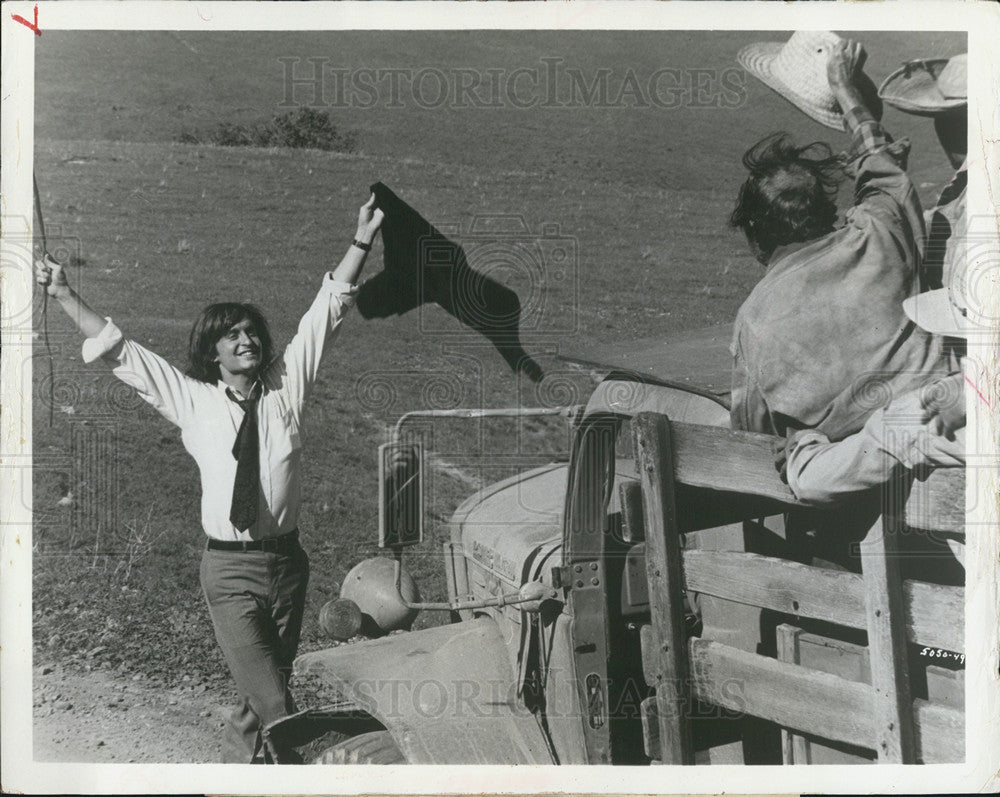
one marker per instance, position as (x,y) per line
(246,487)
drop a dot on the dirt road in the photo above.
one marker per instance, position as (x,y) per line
(96,717)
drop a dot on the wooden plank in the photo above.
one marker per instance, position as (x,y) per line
(946,687)
(935,615)
(820,704)
(650,727)
(722,459)
(654,462)
(650,651)
(892,706)
(630,498)
(796,697)
(794,746)
(932,613)
(822,594)
(938,503)
(939,733)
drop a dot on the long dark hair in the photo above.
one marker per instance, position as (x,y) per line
(214,322)
(789,195)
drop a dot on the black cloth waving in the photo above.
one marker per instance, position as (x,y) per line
(421,265)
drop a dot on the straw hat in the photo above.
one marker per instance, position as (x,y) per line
(952,310)
(928,86)
(796,69)
(937,312)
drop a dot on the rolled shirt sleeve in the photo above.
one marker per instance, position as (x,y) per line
(318,328)
(823,472)
(105,344)
(157,382)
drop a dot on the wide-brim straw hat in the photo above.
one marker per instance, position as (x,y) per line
(929,86)
(934,312)
(796,69)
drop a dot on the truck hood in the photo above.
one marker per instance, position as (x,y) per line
(513,527)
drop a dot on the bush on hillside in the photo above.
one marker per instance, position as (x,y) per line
(306,128)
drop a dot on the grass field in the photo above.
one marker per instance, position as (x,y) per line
(161,228)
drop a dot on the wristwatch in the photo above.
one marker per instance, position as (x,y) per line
(362,246)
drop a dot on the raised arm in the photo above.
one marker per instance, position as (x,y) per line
(881,185)
(168,390)
(369,220)
(299,364)
(52,276)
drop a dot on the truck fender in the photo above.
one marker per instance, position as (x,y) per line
(448,695)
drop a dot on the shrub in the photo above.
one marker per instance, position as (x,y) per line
(306,128)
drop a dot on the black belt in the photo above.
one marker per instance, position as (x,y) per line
(282,544)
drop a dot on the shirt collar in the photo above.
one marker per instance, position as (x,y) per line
(256,389)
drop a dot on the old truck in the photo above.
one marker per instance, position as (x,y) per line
(639,603)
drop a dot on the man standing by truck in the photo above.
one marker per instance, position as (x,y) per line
(240,415)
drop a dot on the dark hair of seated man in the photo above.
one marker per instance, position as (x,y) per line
(789,195)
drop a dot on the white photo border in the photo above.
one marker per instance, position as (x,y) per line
(981,21)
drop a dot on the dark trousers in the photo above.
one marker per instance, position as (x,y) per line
(256,600)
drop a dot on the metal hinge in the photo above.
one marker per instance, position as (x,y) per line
(578,575)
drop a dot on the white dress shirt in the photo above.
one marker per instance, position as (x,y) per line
(209,419)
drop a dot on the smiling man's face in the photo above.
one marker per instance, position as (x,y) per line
(239,350)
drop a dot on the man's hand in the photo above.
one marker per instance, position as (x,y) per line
(918,428)
(946,400)
(843,61)
(52,276)
(369,220)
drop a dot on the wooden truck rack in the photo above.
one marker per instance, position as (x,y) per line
(674,460)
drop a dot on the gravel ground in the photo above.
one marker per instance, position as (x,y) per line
(95,717)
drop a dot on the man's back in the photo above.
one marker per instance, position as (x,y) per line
(822,341)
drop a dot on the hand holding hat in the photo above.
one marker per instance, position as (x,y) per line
(844,59)
(799,70)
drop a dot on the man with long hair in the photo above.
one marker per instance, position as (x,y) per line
(822,340)
(239,409)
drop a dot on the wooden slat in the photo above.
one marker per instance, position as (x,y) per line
(938,504)
(935,615)
(650,727)
(796,697)
(630,498)
(822,594)
(817,703)
(654,462)
(939,733)
(721,459)
(650,651)
(795,748)
(932,613)
(894,739)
